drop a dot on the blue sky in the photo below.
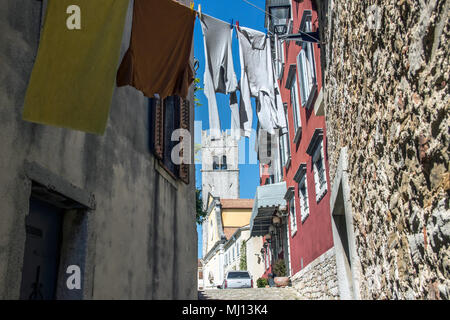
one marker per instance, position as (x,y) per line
(250,17)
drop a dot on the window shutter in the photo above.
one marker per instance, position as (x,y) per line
(184,124)
(323,166)
(316,181)
(159,129)
(282,151)
(302,208)
(304,83)
(309,77)
(184,119)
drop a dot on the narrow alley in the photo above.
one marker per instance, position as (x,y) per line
(287,293)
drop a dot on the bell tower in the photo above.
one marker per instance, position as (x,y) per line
(220,167)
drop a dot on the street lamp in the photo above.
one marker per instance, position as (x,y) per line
(279,16)
(276,221)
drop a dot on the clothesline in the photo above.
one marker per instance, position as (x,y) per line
(62,104)
(199,13)
(257,78)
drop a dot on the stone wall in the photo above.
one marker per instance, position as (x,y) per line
(386,80)
(318,279)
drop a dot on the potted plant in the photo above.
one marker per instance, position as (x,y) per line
(279,268)
(262,283)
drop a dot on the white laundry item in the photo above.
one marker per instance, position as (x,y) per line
(257,80)
(235,122)
(219,74)
(281,114)
(245,105)
(265,112)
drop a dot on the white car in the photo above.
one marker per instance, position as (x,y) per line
(237,279)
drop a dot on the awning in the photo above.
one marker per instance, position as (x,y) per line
(268,198)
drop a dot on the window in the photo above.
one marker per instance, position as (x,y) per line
(223,165)
(303,196)
(165,117)
(289,30)
(215,163)
(219,165)
(285,149)
(300,178)
(295,104)
(292,215)
(320,178)
(291,84)
(283,155)
(306,64)
(211,228)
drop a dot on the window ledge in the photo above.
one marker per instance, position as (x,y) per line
(165,173)
(293,233)
(305,217)
(298,135)
(311,96)
(288,163)
(321,195)
(319,108)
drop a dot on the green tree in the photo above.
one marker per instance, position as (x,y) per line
(280,268)
(200,214)
(196,89)
(262,282)
(196,84)
(197,150)
(243,261)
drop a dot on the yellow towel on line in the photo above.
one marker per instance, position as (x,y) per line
(74,74)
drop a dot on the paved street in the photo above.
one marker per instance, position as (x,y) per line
(249,294)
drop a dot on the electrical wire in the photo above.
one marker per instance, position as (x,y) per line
(301,32)
(258,8)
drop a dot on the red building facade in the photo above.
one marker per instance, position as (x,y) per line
(303,157)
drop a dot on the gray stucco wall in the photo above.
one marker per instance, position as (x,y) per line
(141,237)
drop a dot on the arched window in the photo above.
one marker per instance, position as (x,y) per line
(223,165)
(215,163)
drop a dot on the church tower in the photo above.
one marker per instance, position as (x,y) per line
(220,167)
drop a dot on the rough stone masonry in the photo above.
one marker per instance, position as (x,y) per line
(386,80)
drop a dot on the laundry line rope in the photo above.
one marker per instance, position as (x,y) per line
(259,8)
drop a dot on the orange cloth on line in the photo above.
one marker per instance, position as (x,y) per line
(158,59)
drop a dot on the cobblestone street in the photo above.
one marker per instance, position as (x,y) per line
(250,294)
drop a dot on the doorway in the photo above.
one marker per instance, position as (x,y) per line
(347,261)
(42,251)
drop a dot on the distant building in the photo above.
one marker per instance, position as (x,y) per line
(200,279)
(292,205)
(220,167)
(224,230)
